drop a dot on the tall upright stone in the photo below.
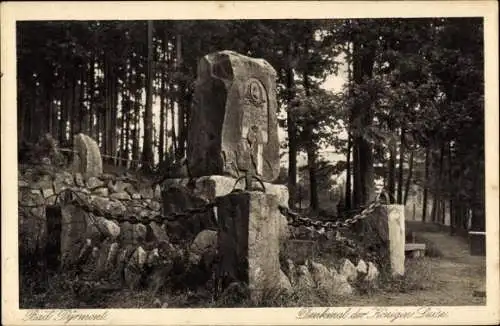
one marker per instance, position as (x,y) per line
(233,126)
(87,158)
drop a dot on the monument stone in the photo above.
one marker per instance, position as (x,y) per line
(233,127)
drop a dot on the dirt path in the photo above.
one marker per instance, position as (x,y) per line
(452,278)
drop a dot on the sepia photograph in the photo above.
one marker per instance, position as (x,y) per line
(251,163)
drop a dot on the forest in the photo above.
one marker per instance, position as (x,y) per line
(412,104)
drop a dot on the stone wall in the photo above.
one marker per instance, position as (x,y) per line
(74,222)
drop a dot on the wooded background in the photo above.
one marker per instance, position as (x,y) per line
(413,103)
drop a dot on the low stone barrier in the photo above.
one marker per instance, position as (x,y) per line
(53,223)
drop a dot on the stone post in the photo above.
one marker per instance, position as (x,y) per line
(389,222)
(249,240)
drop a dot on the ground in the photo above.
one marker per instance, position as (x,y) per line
(448,276)
(452,278)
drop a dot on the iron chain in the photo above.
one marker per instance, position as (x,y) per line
(296,219)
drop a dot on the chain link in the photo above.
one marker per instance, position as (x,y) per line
(296,219)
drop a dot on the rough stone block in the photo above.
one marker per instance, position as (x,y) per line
(108,228)
(132,233)
(348,270)
(157,192)
(156,232)
(248,240)
(94,182)
(154,205)
(46,192)
(321,275)
(373,273)
(112,256)
(290,271)
(147,192)
(234,124)
(120,196)
(119,186)
(362,268)
(116,207)
(205,239)
(304,278)
(79,180)
(32,225)
(101,203)
(102,258)
(284,284)
(179,194)
(134,269)
(341,286)
(104,192)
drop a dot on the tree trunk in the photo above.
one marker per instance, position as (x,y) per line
(161,145)
(136,117)
(106,110)
(426,184)
(450,188)
(114,116)
(391,180)
(478,222)
(292,131)
(437,193)
(81,103)
(147,147)
(311,149)
(313,183)
(62,120)
(348,175)
(92,111)
(363,60)
(181,102)
(171,100)
(408,180)
(401,167)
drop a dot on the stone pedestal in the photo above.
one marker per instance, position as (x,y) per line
(179,194)
(212,186)
(249,240)
(389,222)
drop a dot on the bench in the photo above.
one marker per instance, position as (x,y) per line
(415,249)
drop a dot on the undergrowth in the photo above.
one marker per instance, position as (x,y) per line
(57,294)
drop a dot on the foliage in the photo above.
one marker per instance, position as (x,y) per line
(422,91)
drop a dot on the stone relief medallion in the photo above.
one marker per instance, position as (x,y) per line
(256,95)
(254,124)
(255,109)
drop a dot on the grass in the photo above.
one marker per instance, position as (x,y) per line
(59,295)
(446,276)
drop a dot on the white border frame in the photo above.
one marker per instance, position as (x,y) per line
(14,11)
